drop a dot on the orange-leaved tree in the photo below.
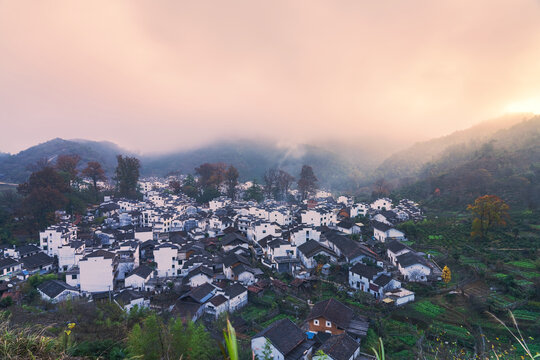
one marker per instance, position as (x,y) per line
(489,211)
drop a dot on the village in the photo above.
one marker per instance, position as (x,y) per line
(200,263)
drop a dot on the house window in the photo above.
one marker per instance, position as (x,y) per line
(328,324)
(316,322)
(73,277)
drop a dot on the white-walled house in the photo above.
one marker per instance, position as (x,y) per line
(384,232)
(382,204)
(360,276)
(138,278)
(282,217)
(57,290)
(237,295)
(303,233)
(97,271)
(166,258)
(200,275)
(69,255)
(359,209)
(400,296)
(413,267)
(261,229)
(56,236)
(128,299)
(73,277)
(395,249)
(310,249)
(9,266)
(283,338)
(321,216)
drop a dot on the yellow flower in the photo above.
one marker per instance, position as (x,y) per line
(71,325)
(68,332)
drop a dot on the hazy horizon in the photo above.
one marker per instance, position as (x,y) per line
(158,77)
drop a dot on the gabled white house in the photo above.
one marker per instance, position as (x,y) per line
(57,290)
(56,236)
(97,271)
(138,278)
(382,204)
(166,258)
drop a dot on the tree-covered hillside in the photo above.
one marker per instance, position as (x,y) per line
(16,168)
(506,164)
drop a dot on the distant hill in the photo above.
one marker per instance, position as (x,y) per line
(506,163)
(252,159)
(336,169)
(16,168)
(411,161)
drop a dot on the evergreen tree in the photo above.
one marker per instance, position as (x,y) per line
(255,193)
(307,183)
(127,176)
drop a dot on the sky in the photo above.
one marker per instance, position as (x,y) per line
(153,76)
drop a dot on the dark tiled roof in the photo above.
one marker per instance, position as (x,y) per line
(396,246)
(284,335)
(37,260)
(127,296)
(312,247)
(234,290)
(340,347)
(409,259)
(27,249)
(142,271)
(364,270)
(53,288)
(200,292)
(233,259)
(233,238)
(381,226)
(218,300)
(200,270)
(7,262)
(383,280)
(101,253)
(334,311)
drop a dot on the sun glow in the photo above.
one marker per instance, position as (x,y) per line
(524,106)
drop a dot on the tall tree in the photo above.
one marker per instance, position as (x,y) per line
(307,182)
(67,166)
(44,193)
(255,193)
(189,186)
(127,176)
(489,211)
(446,274)
(148,341)
(210,175)
(270,181)
(175,186)
(284,183)
(231,181)
(94,172)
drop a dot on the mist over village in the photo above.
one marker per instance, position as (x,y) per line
(246,180)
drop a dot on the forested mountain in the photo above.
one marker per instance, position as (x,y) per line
(335,169)
(252,159)
(411,161)
(17,167)
(507,163)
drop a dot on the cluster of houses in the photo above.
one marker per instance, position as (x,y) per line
(332,331)
(213,256)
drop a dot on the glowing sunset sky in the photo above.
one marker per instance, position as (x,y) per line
(158,75)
